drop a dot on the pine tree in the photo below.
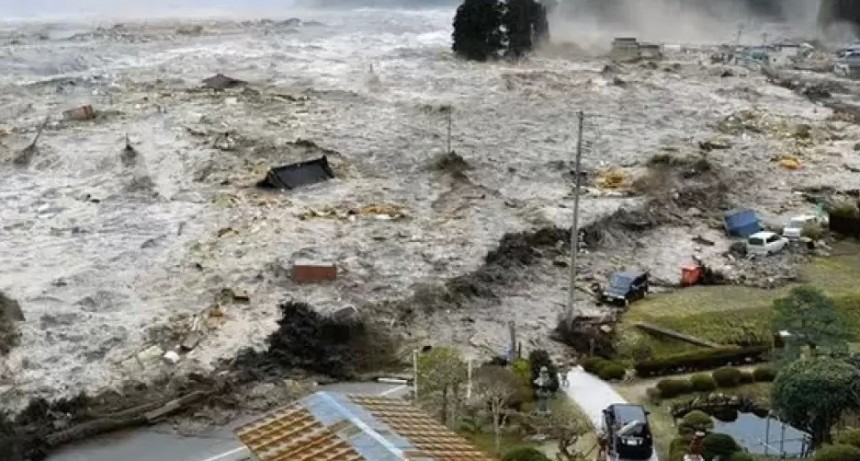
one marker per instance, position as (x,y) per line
(478,30)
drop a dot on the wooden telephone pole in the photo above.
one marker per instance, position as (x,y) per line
(574,230)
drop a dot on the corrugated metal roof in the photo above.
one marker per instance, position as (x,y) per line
(328,426)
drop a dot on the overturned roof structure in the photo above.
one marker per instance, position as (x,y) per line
(298,174)
(336,427)
(222,82)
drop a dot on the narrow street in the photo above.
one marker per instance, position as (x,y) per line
(593,395)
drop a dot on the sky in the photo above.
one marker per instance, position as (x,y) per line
(148,8)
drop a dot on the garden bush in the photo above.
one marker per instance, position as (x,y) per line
(839,452)
(700,360)
(674,387)
(721,445)
(695,421)
(592,364)
(678,448)
(747,377)
(764,374)
(525,454)
(741,456)
(849,436)
(611,371)
(703,382)
(654,395)
(727,377)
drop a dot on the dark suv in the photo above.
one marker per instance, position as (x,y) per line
(625,287)
(628,432)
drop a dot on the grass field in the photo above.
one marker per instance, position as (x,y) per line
(734,314)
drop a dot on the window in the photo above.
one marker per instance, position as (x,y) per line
(773,239)
(755,241)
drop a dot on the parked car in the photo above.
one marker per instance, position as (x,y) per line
(625,287)
(628,432)
(794,227)
(765,243)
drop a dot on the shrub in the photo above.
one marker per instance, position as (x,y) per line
(741,456)
(839,452)
(727,377)
(703,382)
(540,358)
(695,421)
(522,368)
(721,445)
(674,387)
(699,360)
(764,374)
(747,377)
(524,454)
(850,436)
(611,371)
(592,364)
(813,230)
(678,448)
(654,395)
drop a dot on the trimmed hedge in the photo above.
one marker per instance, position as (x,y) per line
(611,371)
(747,377)
(593,364)
(727,377)
(695,421)
(678,448)
(838,452)
(674,387)
(764,374)
(703,382)
(525,454)
(716,444)
(700,360)
(849,436)
(654,395)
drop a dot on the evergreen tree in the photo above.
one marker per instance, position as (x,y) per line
(478,30)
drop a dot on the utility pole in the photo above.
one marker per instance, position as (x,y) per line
(574,230)
(450,109)
(415,373)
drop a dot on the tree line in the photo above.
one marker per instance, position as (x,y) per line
(492,29)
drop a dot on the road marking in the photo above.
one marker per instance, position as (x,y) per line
(391,391)
(225,454)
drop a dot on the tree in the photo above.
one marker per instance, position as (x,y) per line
(441,372)
(812,393)
(565,425)
(526,26)
(497,387)
(540,358)
(809,315)
(478,31)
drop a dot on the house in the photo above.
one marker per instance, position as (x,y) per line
(332,426)
(625,48)
(650,51)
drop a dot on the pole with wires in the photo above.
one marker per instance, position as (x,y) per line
(574,230)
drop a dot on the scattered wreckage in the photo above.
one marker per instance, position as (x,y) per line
(298,174)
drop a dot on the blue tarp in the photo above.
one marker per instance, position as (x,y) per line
(741,223)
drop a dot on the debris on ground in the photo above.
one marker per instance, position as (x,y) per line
(593,336)
(25,156)
(715,143)
(788,162)
(80,113)
(451,163)
(298,174)
(129,155)
(305,271)
(223,82)
(379,212)
(612,179)
(10,314)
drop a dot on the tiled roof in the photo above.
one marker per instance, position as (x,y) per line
(333,427)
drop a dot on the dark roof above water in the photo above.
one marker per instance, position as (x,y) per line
(298,174)
(221,81)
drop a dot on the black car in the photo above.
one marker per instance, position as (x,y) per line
(625,287)
(628,432)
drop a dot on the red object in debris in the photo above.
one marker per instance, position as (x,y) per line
(309,272)
(691,275)
(81,113)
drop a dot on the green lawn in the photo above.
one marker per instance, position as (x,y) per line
(734,314)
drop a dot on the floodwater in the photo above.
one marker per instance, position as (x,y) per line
(765,435)
(109,258)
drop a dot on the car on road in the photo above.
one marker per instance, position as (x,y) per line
(628,432)
(765,243)
(625,287)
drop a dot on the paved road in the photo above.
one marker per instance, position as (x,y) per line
(159,444)
(593,395)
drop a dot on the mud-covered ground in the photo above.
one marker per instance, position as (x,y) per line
(111,254)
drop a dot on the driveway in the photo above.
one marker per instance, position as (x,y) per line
(593,395)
